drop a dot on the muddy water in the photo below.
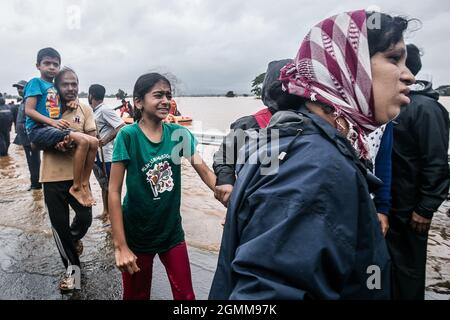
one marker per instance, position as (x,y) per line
(27,246)
(30,266)
(438,263)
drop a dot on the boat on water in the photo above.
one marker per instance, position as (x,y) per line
(182,120)
(179,119)
(173,117)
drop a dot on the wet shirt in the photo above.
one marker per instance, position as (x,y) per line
(56,165)
(107,121)
(151,207)
(48,103)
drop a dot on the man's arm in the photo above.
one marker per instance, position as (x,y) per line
(111,136)
(224,163)
(225,158)
(92,133)
(113,120)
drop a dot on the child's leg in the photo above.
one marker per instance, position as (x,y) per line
(89,165)
(138,285)
(81,152)
(176,262)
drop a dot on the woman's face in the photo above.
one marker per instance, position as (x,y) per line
(156,102)
(390,81)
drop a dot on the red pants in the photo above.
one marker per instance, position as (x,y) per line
(176,262)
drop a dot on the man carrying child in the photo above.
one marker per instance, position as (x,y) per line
(45,127)
(56,106)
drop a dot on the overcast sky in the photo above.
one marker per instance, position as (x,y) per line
(212,46)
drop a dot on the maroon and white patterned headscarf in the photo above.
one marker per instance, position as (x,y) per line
(332,66)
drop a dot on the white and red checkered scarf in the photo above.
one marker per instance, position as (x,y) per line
(332,66)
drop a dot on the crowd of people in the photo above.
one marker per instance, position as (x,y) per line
(362,166)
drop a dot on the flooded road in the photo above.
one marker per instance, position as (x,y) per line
(30,266)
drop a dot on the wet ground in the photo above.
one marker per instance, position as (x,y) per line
(30,267)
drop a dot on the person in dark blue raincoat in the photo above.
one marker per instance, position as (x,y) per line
(306,227)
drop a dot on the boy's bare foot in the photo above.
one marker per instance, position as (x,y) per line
(79,195)
(68,142)
(89,198)
(102,216)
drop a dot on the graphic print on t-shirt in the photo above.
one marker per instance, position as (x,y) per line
(160,178)
(52,103)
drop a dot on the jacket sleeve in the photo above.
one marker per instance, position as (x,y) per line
(432,133)
(290,248)
(383,170)
(225,158)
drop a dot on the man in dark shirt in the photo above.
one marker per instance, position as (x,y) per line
(420,182)
(6,121)
(33,156)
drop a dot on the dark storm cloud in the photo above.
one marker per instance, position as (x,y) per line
(210,46)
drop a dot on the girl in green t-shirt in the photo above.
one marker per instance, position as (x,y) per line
(149,221)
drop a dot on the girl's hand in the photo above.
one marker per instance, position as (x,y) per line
(126,260)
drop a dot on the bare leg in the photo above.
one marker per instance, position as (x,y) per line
(105,214)
(88,166)
(81,151)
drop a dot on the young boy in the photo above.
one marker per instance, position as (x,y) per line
(46,129)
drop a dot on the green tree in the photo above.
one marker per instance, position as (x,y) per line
(175,83)
(257,85)
(230,94)
(121,94)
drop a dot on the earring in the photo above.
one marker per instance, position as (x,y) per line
(339,127)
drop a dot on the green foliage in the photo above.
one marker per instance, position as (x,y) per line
(121,94)
(257,85)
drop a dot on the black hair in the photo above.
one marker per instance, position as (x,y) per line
(97,91)
(2,100)
(47,52)
(384,31)
(413,60)
(283,99)
(60,74)
(143,85)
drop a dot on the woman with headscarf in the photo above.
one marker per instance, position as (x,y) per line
(310,230)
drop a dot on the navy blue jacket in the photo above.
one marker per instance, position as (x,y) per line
(310,231)
(383,170)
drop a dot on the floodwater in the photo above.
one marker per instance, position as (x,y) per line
(209,113)
(30,266)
